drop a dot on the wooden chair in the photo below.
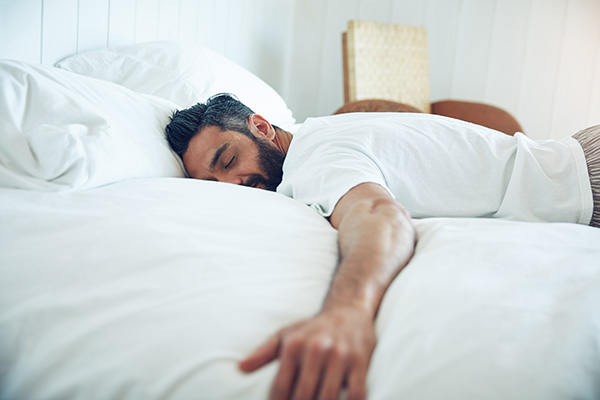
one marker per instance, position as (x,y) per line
(386,68)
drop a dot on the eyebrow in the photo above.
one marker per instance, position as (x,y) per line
(218,155)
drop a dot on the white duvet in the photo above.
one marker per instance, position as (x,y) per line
(155,288)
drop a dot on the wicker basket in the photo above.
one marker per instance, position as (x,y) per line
(386,61)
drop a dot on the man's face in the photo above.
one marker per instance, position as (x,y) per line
(232,157)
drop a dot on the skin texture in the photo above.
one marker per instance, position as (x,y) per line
(323,354)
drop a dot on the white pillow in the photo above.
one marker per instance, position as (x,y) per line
(183,73)
(61,130)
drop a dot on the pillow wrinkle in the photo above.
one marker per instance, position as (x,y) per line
(64,131)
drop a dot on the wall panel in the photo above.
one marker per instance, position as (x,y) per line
(168,20)
(59,32)
(594,108)
(540,70)
(305,67)
(122,22)
(442,19)
(376,10)
(408,12)
(220,26)
(331,97)
(231,22)
(574,91)
(187,29)
(206,19)
(248,14)
(472,51)
(146,21)
(92,27)
(507,52)
(22,30)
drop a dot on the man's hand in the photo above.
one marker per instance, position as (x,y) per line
(319,356)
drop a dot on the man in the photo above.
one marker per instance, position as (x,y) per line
(360,171)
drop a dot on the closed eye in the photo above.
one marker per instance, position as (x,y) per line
(230,162)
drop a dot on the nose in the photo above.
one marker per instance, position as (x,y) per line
(230,178)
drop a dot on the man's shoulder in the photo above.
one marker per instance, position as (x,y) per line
(362,116)
(350,121)
(366,118)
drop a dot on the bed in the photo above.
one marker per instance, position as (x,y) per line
(122,279)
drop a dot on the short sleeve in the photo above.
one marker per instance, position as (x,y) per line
(324,178)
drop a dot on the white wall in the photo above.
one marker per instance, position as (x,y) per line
(254,33)
(538,59)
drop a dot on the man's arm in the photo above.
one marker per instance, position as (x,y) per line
(320,355)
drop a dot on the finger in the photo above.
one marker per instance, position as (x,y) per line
(262,355)
(310,369)
(288,367)
(357,383)
(332,382)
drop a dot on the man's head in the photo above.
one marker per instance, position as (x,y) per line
(224,140)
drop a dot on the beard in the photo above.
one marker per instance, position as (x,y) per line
(270,160)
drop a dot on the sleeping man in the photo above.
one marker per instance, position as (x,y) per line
(369,174)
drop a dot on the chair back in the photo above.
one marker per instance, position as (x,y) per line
(386,61)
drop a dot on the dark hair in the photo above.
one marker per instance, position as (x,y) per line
(223,110)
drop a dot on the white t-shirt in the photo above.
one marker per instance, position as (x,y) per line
(438,167)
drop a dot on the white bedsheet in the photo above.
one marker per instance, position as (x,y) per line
(155,288)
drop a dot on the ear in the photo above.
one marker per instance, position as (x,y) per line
(260,127)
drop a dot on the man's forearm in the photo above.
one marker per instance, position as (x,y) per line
(320,355)
(376,240)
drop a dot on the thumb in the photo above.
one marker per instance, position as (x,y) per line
(262,355)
